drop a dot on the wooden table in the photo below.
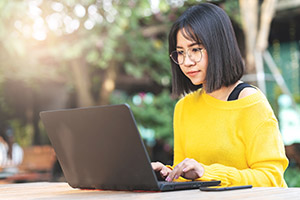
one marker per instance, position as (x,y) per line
(53,191)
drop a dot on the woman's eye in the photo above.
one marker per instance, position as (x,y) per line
(180,52)
(196,49)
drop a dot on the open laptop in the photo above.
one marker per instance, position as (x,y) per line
(100,148)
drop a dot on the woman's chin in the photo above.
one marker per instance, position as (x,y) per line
(197,83)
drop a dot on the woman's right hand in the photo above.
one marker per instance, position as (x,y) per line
(161,168)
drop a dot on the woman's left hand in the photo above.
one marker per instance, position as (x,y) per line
(188,168)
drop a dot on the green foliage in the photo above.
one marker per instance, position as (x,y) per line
(292,177)
(5,110)
(148,56)
(23,133)
(232,8)
(121,36)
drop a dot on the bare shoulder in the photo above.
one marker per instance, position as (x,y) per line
(247,91)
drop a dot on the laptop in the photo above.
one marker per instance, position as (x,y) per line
(100,148)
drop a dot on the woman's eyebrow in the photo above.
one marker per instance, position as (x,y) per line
(193,44)
(190,45)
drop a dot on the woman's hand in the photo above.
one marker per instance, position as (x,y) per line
(188,168)
(161,168)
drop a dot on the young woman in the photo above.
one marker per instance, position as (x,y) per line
(224,129)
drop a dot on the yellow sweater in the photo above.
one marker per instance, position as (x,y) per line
(237,142)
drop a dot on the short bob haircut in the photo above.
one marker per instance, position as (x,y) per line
(207,24)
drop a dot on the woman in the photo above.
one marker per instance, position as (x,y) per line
(223,129)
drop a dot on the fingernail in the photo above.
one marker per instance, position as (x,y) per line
(176,176)
(168,179)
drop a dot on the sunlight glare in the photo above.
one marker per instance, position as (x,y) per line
(97,18)
(107,5)
(92,9)
(89,24)
(154,6)
(71,24)
(39,35)
(79,10)
(176,3)
(110,18)
(54,21)
(34,11)
(56,6)
(18,25)
(39,29)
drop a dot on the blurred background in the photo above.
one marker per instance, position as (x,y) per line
(77,53)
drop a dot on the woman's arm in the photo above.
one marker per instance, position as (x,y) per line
(266,159)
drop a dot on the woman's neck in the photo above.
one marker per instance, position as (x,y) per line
(224,92)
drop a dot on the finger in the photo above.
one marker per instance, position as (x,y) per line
(157,166)
(178,170)
(193,171)
(184,168)
(175,173)
(165,171)
(188,168)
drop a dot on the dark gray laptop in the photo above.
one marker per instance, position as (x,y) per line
(100,148)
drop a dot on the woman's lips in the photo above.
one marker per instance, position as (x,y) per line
(193,73)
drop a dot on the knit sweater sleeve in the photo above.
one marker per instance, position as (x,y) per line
(266,160)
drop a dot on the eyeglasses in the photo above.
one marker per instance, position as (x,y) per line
(195,54)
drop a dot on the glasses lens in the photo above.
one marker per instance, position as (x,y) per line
(195,54)
(174,56)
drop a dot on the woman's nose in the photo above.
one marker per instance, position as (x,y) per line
(187,61)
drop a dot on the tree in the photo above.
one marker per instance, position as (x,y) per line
(256,20)
(85,46)
(84,49)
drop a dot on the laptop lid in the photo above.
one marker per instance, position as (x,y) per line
(100,148)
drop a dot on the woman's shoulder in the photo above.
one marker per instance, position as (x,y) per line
(256,104)
(247,91)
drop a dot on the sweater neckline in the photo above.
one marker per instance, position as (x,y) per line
(239,103)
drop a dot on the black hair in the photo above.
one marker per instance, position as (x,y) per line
(209,25)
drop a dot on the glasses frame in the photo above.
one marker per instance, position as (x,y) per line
(186,52)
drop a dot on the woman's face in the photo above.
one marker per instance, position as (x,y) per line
(195,71)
